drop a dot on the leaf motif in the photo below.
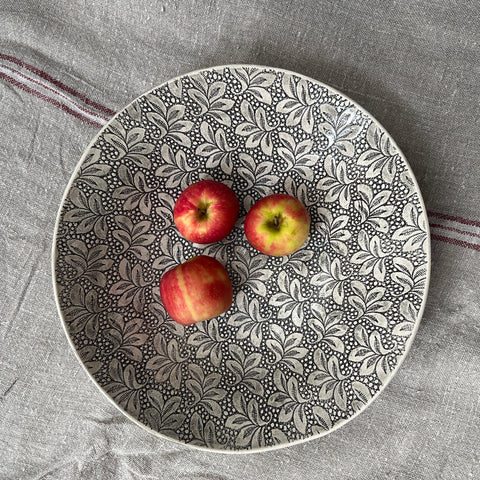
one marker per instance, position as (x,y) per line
(261,94)
(278,437)
(254,386)
(288,85)
(135,112)
(340,396)
(78,248)
(300,420)
(200,98)
(295,116)
(404,234)
(383,369)
(359,354)
(175,87)
(322,418)
(403,280)
(345,148)
(403,329)
(247,111)
(361,391)
(376,319)
(267,145)
(408,311)
(237,421)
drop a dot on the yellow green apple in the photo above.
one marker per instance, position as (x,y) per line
(277,225)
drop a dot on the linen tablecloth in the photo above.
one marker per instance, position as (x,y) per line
(67,67)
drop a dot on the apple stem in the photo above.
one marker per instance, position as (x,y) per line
(276,222)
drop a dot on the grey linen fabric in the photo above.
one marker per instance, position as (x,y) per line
(414,65)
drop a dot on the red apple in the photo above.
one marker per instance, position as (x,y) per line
(277,225)
(206,211)
(196,290)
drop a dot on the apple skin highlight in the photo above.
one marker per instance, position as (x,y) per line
(206,211)
(196,290)
(277,225)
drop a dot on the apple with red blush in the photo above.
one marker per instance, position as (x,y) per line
(277,225)
(198,289)
(206,211)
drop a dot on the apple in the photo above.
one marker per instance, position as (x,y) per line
(277,225)
(206,211)
(196,290)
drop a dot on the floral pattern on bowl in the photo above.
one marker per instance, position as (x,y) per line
(312,338)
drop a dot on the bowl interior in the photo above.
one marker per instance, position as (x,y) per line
(311,338)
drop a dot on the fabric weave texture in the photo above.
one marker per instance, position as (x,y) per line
(67,67)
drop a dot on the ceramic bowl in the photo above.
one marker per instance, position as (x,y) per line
(311,338)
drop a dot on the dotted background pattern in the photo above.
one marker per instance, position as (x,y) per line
(310,338)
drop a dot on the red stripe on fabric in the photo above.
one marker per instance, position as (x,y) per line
(452,229)
(453,218)
(58,84)
(46,87)
(454,241)
(65,108)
